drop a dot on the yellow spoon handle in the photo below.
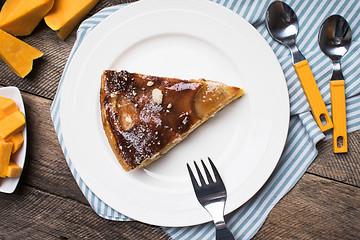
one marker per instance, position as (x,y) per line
(338,112)
(313,95)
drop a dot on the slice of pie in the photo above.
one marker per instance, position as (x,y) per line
(145,116)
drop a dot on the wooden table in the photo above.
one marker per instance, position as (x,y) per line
(48,204)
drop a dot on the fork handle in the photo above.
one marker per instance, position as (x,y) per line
(224,234)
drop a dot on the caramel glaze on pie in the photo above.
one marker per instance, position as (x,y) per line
(141,127)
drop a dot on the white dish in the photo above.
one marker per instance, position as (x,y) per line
(8,185)
(184,39)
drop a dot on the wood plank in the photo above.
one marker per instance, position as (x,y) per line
(316,208)
(30,213)
(341,167)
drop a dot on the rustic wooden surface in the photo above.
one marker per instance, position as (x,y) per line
(47,204)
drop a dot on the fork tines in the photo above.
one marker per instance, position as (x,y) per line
(207,173)
(212,197)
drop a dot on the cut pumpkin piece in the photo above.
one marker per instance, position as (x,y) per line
(20,17)
(145,116)
(66,14)
(12,124)
(17,54)
(5,153)
(7,107)
(13,170)
(17,140)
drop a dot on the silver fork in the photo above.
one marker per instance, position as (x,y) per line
(212,196)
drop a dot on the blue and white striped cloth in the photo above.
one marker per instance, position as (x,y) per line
(300,149)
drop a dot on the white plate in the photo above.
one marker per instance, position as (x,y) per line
(184,39)
(8,185)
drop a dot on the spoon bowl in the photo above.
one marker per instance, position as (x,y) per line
(335,37)
(282,23)
(335,40)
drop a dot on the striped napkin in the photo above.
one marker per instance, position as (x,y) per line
(300,149)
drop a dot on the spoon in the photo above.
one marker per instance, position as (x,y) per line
(282,24)
(335,41)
